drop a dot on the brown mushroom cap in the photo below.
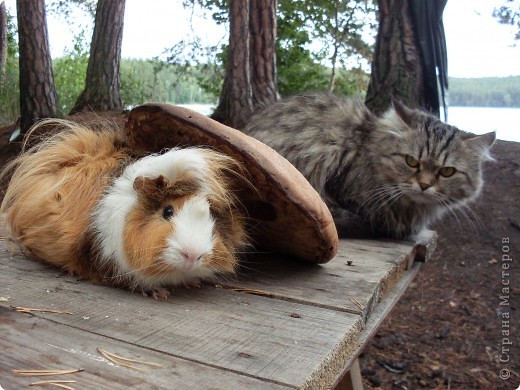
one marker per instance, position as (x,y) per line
(288,214)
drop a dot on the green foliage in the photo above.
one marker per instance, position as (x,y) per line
(209,63)
(66,8)
(210,75)
(352,82)
(338,28)
(509,13)
(154,80)
(205,64)
(300,60)
(485,92)
(300,23)
(9,90)
(298,68)
(70,72)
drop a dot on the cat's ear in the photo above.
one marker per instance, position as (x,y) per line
(402,111)
(482,143)
(487,139)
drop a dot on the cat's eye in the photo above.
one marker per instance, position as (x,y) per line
(167,213)
(447,171)
(412,162)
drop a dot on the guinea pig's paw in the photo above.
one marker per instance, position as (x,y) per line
(157,293)
(193,283)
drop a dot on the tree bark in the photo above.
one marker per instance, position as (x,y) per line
(262,22)
(38,98)
(250,80)
(236,98)
(397,69)
(410,61)
(3,40)
(102,85)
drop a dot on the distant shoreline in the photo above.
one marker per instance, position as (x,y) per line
(485,92)
(504,120)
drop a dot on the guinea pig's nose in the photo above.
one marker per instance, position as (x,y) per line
(190,258)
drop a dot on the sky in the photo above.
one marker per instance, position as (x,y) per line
(478,46)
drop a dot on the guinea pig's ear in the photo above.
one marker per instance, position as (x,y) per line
(185,186)
(146,185)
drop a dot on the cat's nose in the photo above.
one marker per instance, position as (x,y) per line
(424,186)
(425,179)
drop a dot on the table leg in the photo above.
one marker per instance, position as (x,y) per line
(352,379)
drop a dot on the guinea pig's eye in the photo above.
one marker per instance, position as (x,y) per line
(411,161)
(167,212)
(447,171)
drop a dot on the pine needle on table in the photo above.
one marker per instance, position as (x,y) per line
(45,372)
(252,291)
(55,383)
(29,310)
(119,360)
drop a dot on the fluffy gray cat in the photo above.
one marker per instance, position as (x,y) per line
(381,176)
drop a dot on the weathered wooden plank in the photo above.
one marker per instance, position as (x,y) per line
(426,244)
(381,311)
(273,340)
(305,338)
(358,277)
(29,342)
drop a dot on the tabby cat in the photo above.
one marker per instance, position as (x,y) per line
(381,176)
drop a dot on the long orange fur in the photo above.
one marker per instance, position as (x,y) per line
(56,184)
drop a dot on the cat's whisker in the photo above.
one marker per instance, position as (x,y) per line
(392,198)
(470,216)
(456,209)
(386,196)
(448,206)
(377,195)
(466,208)
(378,203)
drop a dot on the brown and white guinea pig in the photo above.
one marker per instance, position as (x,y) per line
(79,200)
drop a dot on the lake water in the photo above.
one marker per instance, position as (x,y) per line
(478,120)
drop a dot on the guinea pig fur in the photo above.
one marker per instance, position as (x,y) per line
(79,200)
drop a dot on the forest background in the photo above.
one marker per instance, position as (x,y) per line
(456,293)
(189,73)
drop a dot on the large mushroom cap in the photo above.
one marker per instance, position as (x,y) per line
(287,213)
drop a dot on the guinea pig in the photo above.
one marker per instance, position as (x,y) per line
(80,200)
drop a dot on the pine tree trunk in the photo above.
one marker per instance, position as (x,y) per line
(250,81)
(263,52)
(102,85)
(3,40)
(236,99)
(38,98)
(397,67)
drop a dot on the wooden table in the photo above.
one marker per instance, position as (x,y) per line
(278,324)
